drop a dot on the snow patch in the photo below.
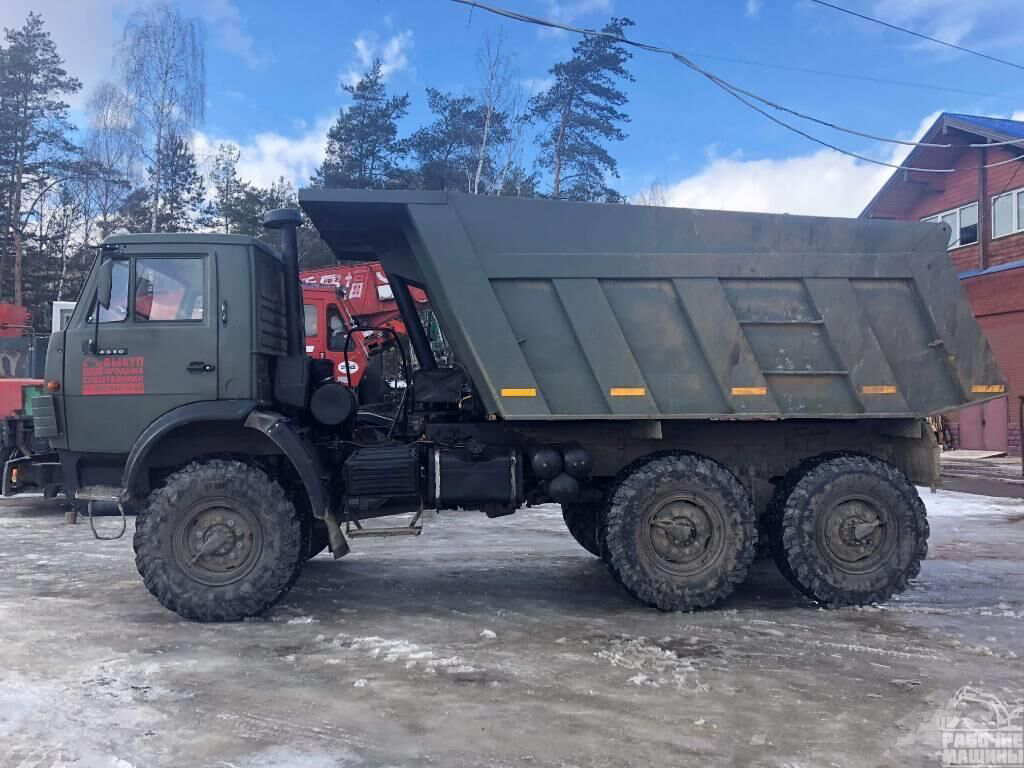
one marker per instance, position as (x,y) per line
(955,504)
(655,666)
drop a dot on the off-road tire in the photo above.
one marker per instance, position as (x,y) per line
(800,510)
(641,494)
(270,573)
(581,520)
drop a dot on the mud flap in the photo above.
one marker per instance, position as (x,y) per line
(303,457)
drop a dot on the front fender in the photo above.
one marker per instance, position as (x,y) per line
(299,451)
(209,410)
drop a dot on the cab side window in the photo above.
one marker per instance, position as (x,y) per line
(169,288)
(118,309)
(309,316)
(335,330)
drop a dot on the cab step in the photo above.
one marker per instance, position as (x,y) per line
(99,493)
(402,530)
(354,530)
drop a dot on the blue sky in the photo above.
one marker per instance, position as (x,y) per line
(274,74)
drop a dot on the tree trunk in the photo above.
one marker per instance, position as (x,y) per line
(19,244)
(158,168)
(483,148)
(557,184)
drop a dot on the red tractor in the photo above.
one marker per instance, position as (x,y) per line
(21,357)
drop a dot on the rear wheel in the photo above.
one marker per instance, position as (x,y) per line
(851,531)
(679,532)
(219,541)
(581,520)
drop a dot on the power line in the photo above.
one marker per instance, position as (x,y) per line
(850,76)
(917,34)
(739,93)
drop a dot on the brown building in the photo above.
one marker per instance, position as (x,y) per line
(982,199)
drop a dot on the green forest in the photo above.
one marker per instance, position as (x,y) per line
(128,162)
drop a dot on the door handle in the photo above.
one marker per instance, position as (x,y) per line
(198,366)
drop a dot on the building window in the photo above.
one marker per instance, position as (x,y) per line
(1008,213)
(963,225)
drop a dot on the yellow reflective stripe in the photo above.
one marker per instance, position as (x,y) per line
(745,391)
(880,389)
(627,391)
(988,388)
(523,392)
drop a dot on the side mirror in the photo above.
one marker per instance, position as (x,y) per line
(105,283)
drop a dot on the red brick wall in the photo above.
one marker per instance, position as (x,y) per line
(998,303)
(961,188)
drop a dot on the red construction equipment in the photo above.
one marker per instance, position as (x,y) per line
(355,296)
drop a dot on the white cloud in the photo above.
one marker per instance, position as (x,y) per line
(953,21)
(224,19)
(393,55)
(821,183)
(535,85)
(267,156)
(570,11)
(88,32)
(753,7)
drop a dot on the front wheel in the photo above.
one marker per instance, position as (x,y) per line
(679,532)
(218,541)
(851,531)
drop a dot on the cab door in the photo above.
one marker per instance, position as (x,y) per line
(152,350)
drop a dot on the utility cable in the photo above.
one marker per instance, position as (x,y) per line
(739,94)
(918,34)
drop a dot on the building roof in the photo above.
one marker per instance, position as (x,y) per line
(1002,128)
(978,127)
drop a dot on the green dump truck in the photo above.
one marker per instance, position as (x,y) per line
(682,382)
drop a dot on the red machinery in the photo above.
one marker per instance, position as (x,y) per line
(20,362)
(340,298)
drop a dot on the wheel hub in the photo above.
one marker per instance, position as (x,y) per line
(854,532)
(218,541)
(680,531)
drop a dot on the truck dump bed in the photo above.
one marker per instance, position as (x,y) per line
(586,311)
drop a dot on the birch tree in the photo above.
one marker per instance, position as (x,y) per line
(111,150)
(164,70)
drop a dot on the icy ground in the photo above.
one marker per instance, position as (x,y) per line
(495,643)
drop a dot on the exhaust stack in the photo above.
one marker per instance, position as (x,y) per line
(288,220)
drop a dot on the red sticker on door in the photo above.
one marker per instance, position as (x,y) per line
(114,375)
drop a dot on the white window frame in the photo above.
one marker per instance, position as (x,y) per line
(937,218)
(1018,224)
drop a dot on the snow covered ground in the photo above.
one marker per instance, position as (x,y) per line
(495,643)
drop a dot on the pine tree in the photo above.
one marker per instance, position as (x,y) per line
(182,190)
(35,149)
(447,150)
(363,149)
(229,191)
(580,113)
(182,193)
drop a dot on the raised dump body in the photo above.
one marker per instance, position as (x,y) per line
(568,311)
